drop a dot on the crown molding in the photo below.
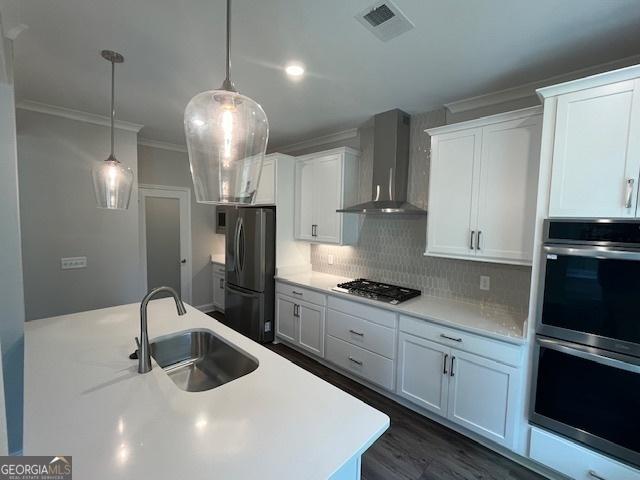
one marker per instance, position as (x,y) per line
(71,114)
(317,141)
(529,89)
(482,121)
(174,147)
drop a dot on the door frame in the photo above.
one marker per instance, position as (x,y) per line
(183,194)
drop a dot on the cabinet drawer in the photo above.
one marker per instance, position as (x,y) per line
(368,365)
(301,293)
(574,460)
(373,314)
(360,332)
(486,347)
(218,269)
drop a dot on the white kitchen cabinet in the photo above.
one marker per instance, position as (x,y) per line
(575,460)
(326,182)
(311,327)
(469,389)
(423,378)
(483,188)
(596,151)
(481,394)
(301,323)
(266,193)
(218,287)
(286,323)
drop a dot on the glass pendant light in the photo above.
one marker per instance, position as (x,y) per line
(226,138)
(112,181)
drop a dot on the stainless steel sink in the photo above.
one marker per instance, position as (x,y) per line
(197,360)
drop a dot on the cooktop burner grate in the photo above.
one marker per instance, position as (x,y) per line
(383,292)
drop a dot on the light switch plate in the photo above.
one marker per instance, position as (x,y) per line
(71,263)
(485,282)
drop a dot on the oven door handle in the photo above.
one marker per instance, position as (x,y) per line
(610,359)
(596,252)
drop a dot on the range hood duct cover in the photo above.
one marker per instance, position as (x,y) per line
(390,167)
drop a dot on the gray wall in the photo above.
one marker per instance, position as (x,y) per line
(59,218)
(391,249)
(166,167)
(11,292)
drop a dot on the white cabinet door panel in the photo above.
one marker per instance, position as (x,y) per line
(328,191)
(305,186)
(286,322)
(591,158)
(266,194)
(508,189)
(423,373)
(453,188)
(311,328)
(481,395)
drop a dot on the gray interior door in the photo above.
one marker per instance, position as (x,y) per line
(162,217)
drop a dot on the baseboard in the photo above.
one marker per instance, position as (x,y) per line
(505,452)
(206,308)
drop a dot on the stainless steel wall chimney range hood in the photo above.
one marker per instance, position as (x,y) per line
(390,167)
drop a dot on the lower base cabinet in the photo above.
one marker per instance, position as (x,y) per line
(301,323)
(363,363)
(218,287)
(472,391)
(575,461)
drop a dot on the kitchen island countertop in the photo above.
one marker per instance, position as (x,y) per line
(84,397)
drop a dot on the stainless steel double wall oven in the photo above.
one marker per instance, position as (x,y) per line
(587,353)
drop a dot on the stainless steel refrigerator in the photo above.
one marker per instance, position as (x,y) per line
(250,267)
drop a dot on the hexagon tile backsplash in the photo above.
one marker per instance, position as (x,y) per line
(391,250)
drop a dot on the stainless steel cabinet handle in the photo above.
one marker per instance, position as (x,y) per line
(450,338)
(444,364)
(360,334)
(357,362)
(314,230)
(478,240)
(222,283)
(453,359)
(595,475)
(629,195)
(473,232)
(297,293)
(296,310)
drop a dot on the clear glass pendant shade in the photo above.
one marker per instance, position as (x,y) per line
(112,184)
(227,137)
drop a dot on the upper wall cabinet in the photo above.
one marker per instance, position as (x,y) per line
(325,182)
(482,188)
(594,132)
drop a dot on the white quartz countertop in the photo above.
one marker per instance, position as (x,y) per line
(473,317)
(84,397)
(218,258)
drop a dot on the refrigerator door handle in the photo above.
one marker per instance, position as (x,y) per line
(241,245)
(235,246)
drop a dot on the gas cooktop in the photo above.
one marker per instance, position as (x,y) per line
(377,291)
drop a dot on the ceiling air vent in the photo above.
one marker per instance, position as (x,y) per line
(384,20)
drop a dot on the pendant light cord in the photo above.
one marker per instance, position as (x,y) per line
(228,84)
(113,105)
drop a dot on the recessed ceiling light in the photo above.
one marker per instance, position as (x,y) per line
(294,70)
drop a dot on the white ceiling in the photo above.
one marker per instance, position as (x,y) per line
(175,49)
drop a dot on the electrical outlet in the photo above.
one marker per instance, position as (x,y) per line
(71,263)
(331,259)
(485,282)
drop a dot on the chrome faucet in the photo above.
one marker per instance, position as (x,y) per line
(144,355)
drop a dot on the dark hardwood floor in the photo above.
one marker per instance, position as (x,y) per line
(414,447)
